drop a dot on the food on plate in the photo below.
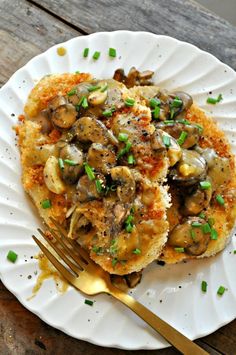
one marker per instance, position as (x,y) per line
(132,172)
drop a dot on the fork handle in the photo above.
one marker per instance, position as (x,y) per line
(178,340)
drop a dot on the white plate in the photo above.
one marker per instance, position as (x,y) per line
(177,65)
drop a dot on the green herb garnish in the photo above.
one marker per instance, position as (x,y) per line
(84,103)
(166,140)
(136,251)
(70,162)
(99,186)
(213,101)
(206,228)
(123,137)
(214,234)
(85,52)
(202,215)
(88,302)
(71,92)
(89,171)
(131,159)
(156,112)
(94,88)
(97,250)
(61,163)
(129,102)
(179,250)
(114,262)
(221,290)
(205,185)
(182,138)
(112,52)
(12,256)
(46,204)
(220,200)
(154,102)
(204,286)
(96,55)
(124,150)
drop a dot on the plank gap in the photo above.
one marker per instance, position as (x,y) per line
(49,12)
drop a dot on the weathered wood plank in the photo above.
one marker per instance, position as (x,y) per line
(24,32)
(181,19)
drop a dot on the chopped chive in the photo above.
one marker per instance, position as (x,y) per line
(177,102)
(104,88)
(214,234)
(71,92)
(220,200)
(221,290)
(114,262)
(154,102)
(46,204)
(129,102)
(182,138)
(94,88)
(136,251)
(234,251)
(107,113)
(112,52)
(77,106)
(196,224)
(89,172)
(99,186)
(131,159)
(199,127)
(88,302)
(211,221)
(179,250)
(166,140)
(202,215)
(96,55)
(206,228)
(70,162)
(12,256)
(156,112)
(125,150)
(192,234)
(205,185)
(204,286)
(85,102)
(77,72)
(182,120)
(85,52)
(213,101)
(123,137)
(61,163)
(129,227)
(129,219)
(169,122)
(132,210)
(97,250)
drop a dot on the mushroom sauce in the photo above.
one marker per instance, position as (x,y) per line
(121,144)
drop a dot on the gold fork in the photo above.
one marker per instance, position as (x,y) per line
(91,279)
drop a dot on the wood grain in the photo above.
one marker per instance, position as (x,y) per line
(29,27)
(181,19)
(24,32)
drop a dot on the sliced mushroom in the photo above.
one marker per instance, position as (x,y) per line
(73,163)
(64,116)
(133,279)
(185,98)
(97,97)
(174,152)
(81,90)
(126,183)
(86,190)
(81,228)
(88,129)
(52,177)
(57,101)
(190,169)
(134,77)
(175,129)
(195,202)
(101,158)
(192,239)
(43,119)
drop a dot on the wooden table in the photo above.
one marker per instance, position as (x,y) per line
(29,27)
